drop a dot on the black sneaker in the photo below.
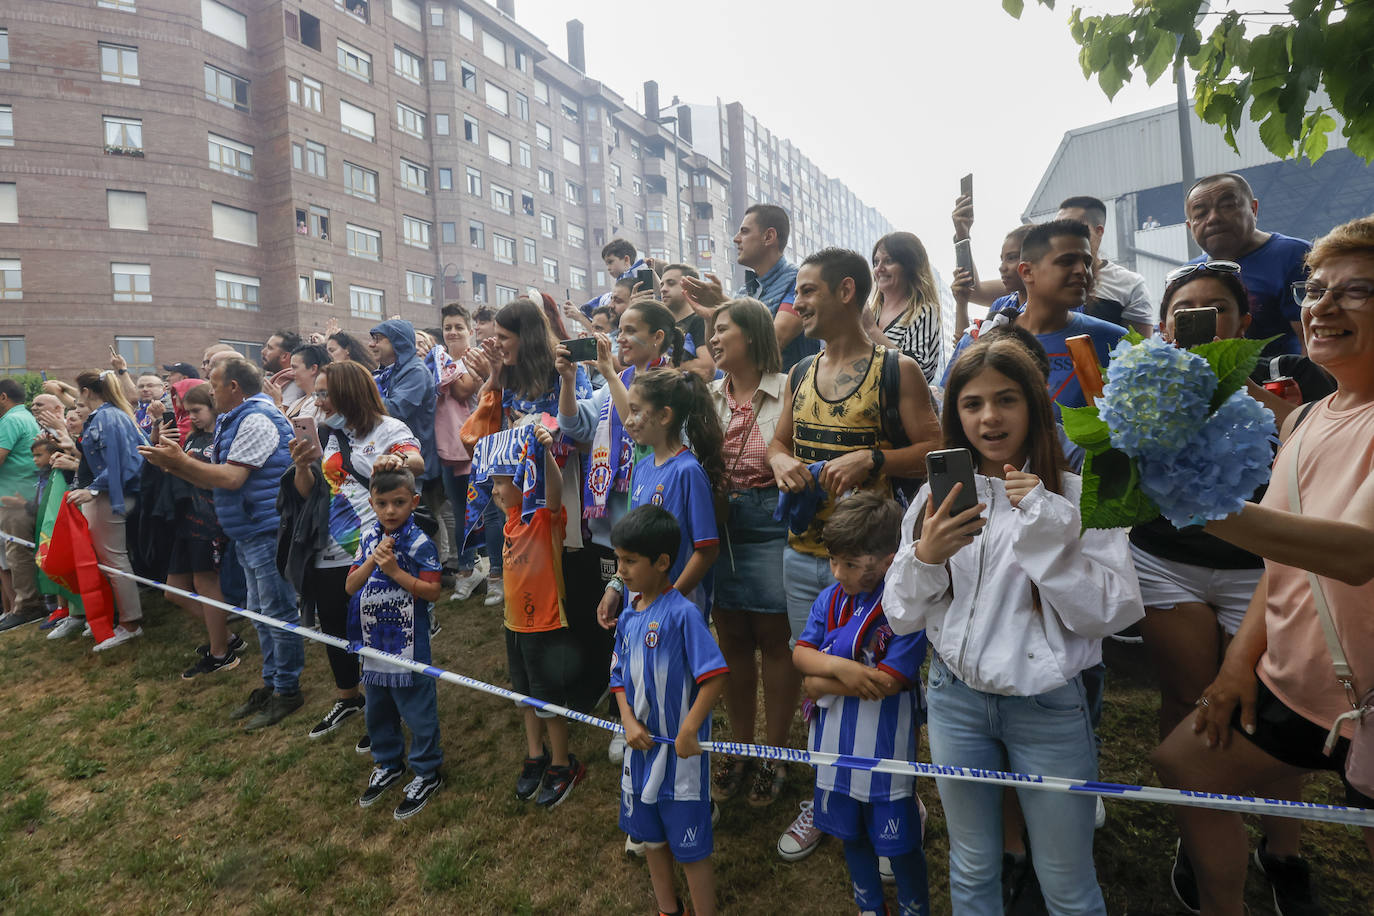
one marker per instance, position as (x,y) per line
(257,701)
(435,627)
(236,645)
(336,717)
(364,745)
(559,781)
(380,780)
(1183,880)
(279,706)
(20,618)
(1290,879)
(531,775)
(417,795)
(209,664)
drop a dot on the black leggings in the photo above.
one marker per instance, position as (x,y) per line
(325,587)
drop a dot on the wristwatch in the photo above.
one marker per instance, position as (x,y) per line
(879,459)
(617,585)
(93,491)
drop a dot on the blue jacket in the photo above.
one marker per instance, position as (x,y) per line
(109,443)
(252,509)
(407,389)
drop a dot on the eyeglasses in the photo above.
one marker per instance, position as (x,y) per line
(1216,267)
(1352,297)
(320,395)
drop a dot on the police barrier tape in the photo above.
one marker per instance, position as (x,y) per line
(1239,804)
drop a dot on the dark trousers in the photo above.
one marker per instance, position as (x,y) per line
(325,586)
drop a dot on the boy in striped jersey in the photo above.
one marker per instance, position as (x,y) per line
(864,688)
(666,673)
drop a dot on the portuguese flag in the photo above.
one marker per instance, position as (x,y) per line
(67,558)
(48,505)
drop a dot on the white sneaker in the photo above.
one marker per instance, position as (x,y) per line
(86,632)
(496,593)
(616,752)
(482,569)
(66,627)
(1100,818)
(633,847)
(885,870)
(464,586)
(120,637)
(802,838)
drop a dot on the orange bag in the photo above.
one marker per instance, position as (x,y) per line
(483,421)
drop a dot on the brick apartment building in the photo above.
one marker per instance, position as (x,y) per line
(179,172)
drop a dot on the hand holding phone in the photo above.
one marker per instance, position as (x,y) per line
(580,349)
(953,515)
(645,281)
(307,430)
(963,255)
(945,468)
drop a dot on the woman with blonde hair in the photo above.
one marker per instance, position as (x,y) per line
(904,311)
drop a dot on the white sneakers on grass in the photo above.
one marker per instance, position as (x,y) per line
(120,637)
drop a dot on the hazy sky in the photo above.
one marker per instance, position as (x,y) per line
(898,99)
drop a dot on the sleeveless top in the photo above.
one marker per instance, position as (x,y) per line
(823,429)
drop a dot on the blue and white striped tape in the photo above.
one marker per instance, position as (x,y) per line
(1239,804)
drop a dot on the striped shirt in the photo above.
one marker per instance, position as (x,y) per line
(919,338)
(662,653)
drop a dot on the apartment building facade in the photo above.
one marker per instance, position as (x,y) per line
(179,172)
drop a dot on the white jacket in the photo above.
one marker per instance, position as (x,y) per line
(984,624)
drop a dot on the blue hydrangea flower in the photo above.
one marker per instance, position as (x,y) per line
(1155,397)
(1218,468)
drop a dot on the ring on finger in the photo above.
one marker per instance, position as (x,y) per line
(1203,702)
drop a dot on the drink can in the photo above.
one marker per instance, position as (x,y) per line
(1286,388)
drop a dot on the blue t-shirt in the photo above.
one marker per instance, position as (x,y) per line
(662,653)
(852,725)
(680,486)
(1268,273)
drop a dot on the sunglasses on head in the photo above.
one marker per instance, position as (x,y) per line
(1216,267)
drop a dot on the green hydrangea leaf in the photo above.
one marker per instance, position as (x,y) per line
(1133,338)
(1112,497)
(1232,360)
(1084,427)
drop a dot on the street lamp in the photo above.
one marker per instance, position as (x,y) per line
(677,181)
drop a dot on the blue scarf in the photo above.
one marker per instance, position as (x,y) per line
(850,621)
(612,454)
(382,376)
(382,614)
(514,453)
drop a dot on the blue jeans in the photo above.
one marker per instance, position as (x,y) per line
(456,488)
(1048,734)
(495,521)
(417,706)
(283,651)
(804,578)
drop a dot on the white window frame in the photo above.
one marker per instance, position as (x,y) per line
(407,64)
(416,232)
(128,136)
(354,61)
(410,120)
(414,177)
(232,291)
(503,248)
(121,56)
(353,171)
(419,287)
(375,300)
(497,99)
(363,242)
(216,94)
(131,282)
(502,199)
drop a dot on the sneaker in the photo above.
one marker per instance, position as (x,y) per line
(257,700)
(633,847)
(336,716)
(531,776)
(86,632)
(615,753)
(66,627)
(1100,814)
(118,638)
(209,664)
(20,618)
(278,707)
(1290,879)
(380,780)
(802,838)
(1130,636)
(53,620)
(417,795)
(434,625)
(364,745)
(496,593)
(559,781)
(715,814)
(1183,881)
(885,870)
(236,645)
(464,586)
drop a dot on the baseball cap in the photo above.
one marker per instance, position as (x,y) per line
(185,369)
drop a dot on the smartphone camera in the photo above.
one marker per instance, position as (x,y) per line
(937,464)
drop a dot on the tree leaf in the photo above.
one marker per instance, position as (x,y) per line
(1084,427)
(1274,133)
(1232,361)
(1014,7)
(1161,56)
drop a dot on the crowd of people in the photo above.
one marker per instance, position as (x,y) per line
(678,496)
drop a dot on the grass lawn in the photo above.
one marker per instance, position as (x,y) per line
(125,789)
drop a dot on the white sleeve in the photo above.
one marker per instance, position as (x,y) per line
(1139,307)
(913,589)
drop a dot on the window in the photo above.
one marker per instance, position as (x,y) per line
(468,73)
(634,148)
(9,202)
(522,106)
(619,215)
(465,24)
(360,182)
(548,225)
(11,280)
(414,177)
(503,248)
(364,243)
(123,136)
(639,222)
(530,253)
(594,153)
(497,98)
(546,181)
(127,6)
(479,287)
(543,135)
(505,294)
(355,8)
(419,287)
(441,125)
(309,157)
(658,221)
(127,209)
(355,62)
(225,155)
(406,11)
(319,287)
(541,91)
(448,232)
(477,234)
(527,203)
(569,108)
(498,148)
(132,282)
(6,125)
(445,179)
(309,30)
(502,199)
(364,302)
(615,175)
(306,92)
(234,291)
(474,182)
(573,192)
(551,270)
(4,49)
(223,22)
(251,351)
(234,225)
(12,358)
(410,121)
(522,61)
(313,221)
(526,155)
(577,236)
(493,48)
(357,121)
(596,195)
(407,65)
(138,353)
(119,64)
(224,88)
(439,66)
(637,185)
(470,129)
(415,231)
(577,277)
(572,151)
(436,17)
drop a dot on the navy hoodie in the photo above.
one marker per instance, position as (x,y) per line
(407,389)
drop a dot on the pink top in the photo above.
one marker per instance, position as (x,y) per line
(1337,456)
(745,452)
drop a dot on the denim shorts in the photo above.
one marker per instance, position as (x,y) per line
(749,570)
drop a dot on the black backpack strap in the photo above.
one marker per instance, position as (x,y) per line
(798,372)
(346,453)
(890,399)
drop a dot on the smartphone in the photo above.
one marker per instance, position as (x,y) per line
(645,280)
(750,275)
(305,429)
(963,255)
(581,349)
(966,186)
(1194,326)
(945,468)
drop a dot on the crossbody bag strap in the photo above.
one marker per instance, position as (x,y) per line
(346,454)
